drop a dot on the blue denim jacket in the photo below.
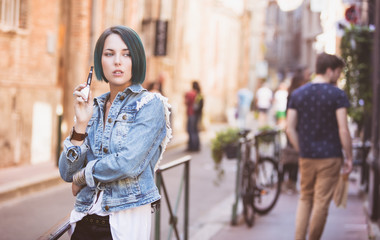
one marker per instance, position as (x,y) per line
(120,155)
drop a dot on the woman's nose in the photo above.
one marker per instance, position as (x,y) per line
(117,59)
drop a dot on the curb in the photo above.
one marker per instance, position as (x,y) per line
(21,188)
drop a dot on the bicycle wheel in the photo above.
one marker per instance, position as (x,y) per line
(268,185)
(248,194)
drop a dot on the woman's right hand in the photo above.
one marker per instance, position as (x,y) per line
(75,189)
(83,109)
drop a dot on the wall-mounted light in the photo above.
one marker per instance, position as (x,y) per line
(289,5)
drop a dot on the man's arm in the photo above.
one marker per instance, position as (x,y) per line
(291,124)
(345,138)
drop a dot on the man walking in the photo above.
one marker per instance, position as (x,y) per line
(317,127)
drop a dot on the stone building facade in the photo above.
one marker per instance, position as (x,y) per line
(29,87)
(47,50)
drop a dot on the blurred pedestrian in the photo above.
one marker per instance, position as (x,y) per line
(194,107)
(155,87)
(300,77)
(279,104)
(245,97)
(290,169)
(115,145)
(317,127)
(264,96)
(198,105)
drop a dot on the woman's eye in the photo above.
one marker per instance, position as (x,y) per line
(127,54)
(108,54)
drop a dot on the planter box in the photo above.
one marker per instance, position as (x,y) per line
(231,151)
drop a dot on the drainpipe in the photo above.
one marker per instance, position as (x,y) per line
(373,159)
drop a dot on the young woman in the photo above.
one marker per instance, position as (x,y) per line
(116,143)
(301,77)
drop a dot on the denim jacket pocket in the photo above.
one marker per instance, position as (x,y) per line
(122,125)
(128,187)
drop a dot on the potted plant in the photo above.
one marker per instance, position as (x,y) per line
(224,142)
(267,138)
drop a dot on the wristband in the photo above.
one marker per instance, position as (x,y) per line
(79,178)
(77,136)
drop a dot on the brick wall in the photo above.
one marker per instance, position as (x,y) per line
(28,75)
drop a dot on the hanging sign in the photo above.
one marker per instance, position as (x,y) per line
(352,14)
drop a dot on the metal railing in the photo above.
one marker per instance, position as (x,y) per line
(63,226)
(57,230)
(161,185)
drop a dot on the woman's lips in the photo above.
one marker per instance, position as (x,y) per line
(117,73)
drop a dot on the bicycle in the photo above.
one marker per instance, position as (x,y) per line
(260,178)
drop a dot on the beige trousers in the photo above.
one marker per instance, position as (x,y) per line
(318,180)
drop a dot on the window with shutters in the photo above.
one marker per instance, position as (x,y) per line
(13,15)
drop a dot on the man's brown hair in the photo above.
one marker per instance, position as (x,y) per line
(325,61)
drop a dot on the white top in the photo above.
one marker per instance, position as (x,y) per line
(264,97)
(134,223)
(280,100)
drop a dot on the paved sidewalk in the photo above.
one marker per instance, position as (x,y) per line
(342,224)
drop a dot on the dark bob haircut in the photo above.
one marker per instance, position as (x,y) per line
(136,49)
(325,61)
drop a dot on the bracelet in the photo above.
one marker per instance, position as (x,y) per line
(79,178)
(77,136)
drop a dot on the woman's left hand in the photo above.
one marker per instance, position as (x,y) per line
(83,109)
(75,189)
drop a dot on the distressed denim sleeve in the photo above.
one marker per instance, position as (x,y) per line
(142,143)
(72,159)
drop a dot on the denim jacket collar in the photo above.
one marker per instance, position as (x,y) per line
(134,88)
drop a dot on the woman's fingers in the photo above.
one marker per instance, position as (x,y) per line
(80,87)
(80,97)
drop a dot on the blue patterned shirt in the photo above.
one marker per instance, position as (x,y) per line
(317,127)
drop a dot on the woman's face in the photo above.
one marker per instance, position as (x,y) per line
(117,62)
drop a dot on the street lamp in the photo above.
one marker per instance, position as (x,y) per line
(289,5)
